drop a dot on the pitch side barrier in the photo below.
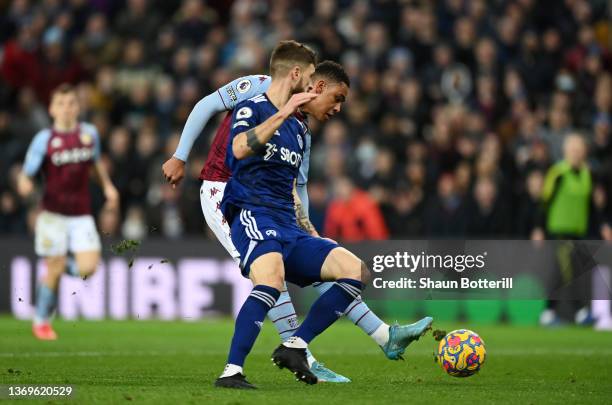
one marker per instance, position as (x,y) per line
(192,279)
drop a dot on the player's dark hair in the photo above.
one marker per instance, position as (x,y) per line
(63,88)
(331,71)
(287,54)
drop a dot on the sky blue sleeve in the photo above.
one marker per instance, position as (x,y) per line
(302,180)
(36,153)
(224,99)
(197,120)
(243,89)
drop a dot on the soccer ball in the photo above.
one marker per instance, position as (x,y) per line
(461,353)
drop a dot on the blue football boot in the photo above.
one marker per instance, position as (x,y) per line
(400,336)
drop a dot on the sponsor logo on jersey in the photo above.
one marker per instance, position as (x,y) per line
(75,155)
(241,124)
(262,79)
(276,133)
(294,158)
(243,86)
(86,139)
(286,155)
(244,112)
(56,142)
(271,232)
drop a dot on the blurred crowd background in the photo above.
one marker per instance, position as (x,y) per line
(457,108)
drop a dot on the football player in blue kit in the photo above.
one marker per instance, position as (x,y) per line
(265,151)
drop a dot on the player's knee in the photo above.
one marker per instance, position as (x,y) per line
(366,275)
(55,266)
(87,269)
(354,270)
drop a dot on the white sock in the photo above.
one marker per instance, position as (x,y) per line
(295,342)
(381,335)
(230,370)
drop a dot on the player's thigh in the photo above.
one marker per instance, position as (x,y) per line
(268,269)
(305,261)
(211,194)
(51,235)
(83,235)
(87,261)
(341,263)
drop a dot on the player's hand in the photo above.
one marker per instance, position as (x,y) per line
(25,186)
(295,102)
(174,171)
(112,197)
(537,234)
(606,232)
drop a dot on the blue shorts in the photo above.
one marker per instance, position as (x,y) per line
(255,234)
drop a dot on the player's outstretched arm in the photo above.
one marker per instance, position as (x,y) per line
(253,141)
(300,214)
(174,168)
(223,99)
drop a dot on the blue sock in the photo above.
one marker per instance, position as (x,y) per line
(45,303)
(249,322)
(328,307)
(71,267)
(358,311)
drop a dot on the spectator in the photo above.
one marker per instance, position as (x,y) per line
(353,215)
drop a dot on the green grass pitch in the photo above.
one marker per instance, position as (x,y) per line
(176,363)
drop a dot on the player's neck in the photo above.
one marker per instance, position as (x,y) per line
(279,92)
(64,126)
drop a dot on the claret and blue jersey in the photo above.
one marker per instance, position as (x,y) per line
(264,183)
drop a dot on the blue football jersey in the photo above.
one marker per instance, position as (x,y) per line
(264,183)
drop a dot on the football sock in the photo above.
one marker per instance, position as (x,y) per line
(328,307)
(381,335)
(249,322)
(71,267)
(285,320)
(361,315)
(45,302)
(283,315)
(230,370)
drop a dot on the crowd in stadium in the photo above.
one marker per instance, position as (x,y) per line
(456,111)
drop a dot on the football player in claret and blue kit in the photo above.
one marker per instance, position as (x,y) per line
(65,154)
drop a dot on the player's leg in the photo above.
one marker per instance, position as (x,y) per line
(84,244)
(314,259)
(266,273)
(392,339)
(262,262)
(282,314)
(50,243)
